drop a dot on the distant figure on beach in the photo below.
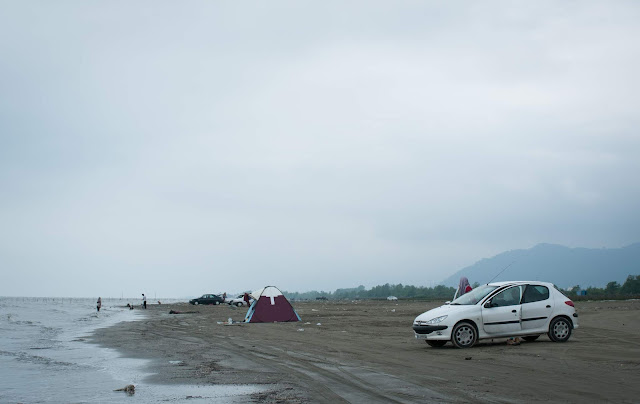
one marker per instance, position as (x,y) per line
(144,301)
(224,296)
(246,298)
(130,306)
(99,303)
(463,286)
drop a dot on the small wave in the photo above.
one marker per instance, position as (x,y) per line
(51,331)
(11,319)
(41,360)
(36,359)
(24,323)
(44,343)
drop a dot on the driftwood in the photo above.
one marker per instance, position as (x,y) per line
(130,389)
(182,312)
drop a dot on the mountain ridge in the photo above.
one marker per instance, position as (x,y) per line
(561,265)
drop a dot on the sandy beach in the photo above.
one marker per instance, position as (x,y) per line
(365,351)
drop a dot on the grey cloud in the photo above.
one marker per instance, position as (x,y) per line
(333,144)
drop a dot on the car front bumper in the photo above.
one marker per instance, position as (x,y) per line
(431,331)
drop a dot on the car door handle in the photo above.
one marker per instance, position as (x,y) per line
(548,307)
(513,311)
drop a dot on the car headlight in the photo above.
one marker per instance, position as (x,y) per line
(436,320)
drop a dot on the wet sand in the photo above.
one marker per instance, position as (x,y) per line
(365,351)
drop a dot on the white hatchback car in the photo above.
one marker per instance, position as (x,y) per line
(238,301)
(501,309)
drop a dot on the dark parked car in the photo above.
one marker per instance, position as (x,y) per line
(207,299)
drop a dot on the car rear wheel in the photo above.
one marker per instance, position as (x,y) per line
(464,335)
(530,338)
(196,303)
(436,343)
(559,329)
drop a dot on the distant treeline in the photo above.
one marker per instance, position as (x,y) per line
(377,292)
(631,287)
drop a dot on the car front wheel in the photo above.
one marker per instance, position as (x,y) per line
(436,343)
(559,329)
(238,304)
(464,335)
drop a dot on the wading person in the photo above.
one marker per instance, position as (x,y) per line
(99,303)
(144,301)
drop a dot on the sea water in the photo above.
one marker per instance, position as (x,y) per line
(44,357)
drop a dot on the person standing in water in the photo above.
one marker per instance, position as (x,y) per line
(99,303)
(144,301)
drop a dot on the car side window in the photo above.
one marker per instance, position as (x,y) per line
(508,297)
(535,293)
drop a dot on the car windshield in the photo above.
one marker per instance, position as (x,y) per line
(473,297)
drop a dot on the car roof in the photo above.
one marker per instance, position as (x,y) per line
(520,283)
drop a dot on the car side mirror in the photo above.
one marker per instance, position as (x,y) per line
(487,305)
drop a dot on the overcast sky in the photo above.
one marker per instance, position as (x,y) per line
(180,148)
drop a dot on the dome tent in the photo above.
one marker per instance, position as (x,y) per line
(270,306)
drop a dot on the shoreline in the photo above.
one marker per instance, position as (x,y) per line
(364,351)
(175,358)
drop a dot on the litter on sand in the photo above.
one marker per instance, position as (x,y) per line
(230,322)
(130,389)
(513,341)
